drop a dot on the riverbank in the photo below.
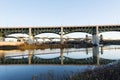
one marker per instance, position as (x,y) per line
(24,46)
(52,46)
(106,72)
(8,47)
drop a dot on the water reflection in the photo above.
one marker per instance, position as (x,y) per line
(101,49)
(83,57)
(62,56)
(95,56)
(40,72)
(30,57)
(79,53)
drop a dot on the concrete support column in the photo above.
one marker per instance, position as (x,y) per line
(96,58)
(30,36)
(30,33)
(95,38)
(61,35)
(62,56)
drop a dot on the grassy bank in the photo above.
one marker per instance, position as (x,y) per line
(107,72)
(51,46)
(42,46)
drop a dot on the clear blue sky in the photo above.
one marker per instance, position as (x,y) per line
(59,12)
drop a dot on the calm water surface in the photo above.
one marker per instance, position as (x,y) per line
(53,63)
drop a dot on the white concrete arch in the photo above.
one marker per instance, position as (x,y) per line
(15,36)
(112,35)
(77,35)
(48,36)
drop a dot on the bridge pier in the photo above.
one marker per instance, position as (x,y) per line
(95,38)
(61,35)
(31,40)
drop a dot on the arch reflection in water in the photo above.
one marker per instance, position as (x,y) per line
(61,56)
(111,52)
(35,59)
(81,53)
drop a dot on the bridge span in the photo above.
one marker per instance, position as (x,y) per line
(61,30)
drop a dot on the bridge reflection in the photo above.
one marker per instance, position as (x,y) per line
(34,58)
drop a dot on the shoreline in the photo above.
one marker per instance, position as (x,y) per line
(106,72)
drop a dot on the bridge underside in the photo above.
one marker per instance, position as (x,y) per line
(57,29)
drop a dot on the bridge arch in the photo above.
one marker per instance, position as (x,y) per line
(48,36)
(110,35)
(77,35)
(78,55)
(48,56)
(16,37)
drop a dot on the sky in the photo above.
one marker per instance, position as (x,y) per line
(14,13)
(58,12)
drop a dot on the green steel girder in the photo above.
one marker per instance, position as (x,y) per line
(108,28)
(7,31)
(37,31)
(78,29)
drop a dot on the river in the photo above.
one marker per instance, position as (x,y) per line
(54,64)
